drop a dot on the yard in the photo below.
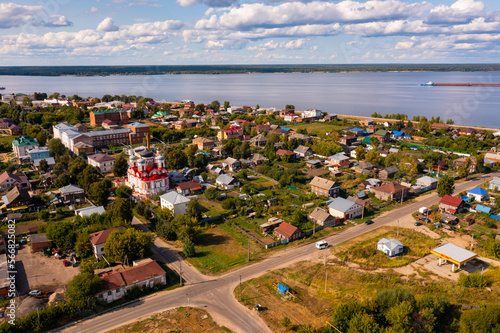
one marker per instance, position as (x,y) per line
(362,250)
(317,127)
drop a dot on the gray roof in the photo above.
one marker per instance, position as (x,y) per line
(225,179)
(70,189)
(50,161)
(230,161)
(495,180)
(391,169)
(137,125)
(455,252)
(391,244)
(108,132)
(339,157)
(38,238)
(89,211)
(174,198)
(427,179)
(341,204)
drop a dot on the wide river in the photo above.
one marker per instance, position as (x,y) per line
(342,93)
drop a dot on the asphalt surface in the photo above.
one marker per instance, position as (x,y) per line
(216,294)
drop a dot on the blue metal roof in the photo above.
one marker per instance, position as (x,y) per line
(397,133)
(465,198)
(478,191)
(483,209)
(356,129)
(285,129)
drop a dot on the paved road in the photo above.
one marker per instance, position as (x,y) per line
(216,294)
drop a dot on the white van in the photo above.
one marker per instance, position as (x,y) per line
(321,245)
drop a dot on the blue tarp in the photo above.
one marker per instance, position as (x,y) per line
(356,130)
(285,129)
(483,209)
(496,217)
(465,198)
(282,289)
(397,133)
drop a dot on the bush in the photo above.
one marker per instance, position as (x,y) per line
(188,249)
(473,280)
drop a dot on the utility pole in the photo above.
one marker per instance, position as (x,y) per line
(314,226)
(326,278)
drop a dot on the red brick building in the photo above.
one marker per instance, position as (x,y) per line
(139,132)
(117,116)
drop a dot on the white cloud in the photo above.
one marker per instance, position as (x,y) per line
(107,25)
(93,10)
(285,45)
(405,45)
(13,15)
(462,11)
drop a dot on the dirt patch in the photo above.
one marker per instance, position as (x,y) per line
(175,320)
(315,172)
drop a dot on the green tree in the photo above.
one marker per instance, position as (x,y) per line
(215,105)
(61,233)
(188,249)
(492,246)
(83,247)
(76,167)
(362,322)
(343,314)
(98,193)
(177,158)
(56,147)
(446,186)
(226,105)
(193,210)
(360,153)
(41,138)
(200,161)
(132,243)
(480,320)
(375,142)
(43,165)
(123,191)
(83,286)
(186,228)
(120,209)
(399,317)
(88,177)
(120,166)
(211,193)
(44,215)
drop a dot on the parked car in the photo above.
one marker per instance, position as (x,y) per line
(369,222)
(35,293)
(418,224)
(66,263)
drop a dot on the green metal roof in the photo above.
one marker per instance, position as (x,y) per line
(107,111)
(367,140)
(381,132)
(24,141)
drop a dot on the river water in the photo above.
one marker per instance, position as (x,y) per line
(341,93)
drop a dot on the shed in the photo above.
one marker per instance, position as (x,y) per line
(453,253)
(391,247)
(38,242)
(483,209)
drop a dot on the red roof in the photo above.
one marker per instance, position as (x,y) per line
(284,152)
(286,230)
(101,237)
(193,185)
(390,188)
(451,201)
(131,275)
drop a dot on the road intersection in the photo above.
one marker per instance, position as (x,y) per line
(216,294)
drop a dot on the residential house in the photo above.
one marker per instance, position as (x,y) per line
(72,194)
(344,209)
(366,122)
(371,129)
(39,153)
(290,117)
(50,162)
(324,187)
(438,126)
(397,135)
(117,284)
(463,161)
(204,143)
(390,191)
(231,164)
(363,167)
(287,232)
(258,141)
(82,148)
(214,169)
(103,162)
(322,217)
(8,180)
(348,140)
(230,133)
(440,166)
(311,113)
(303,151)
(97,239)
(175,202)
(383,136)
(16,199)
(494,184)
(262,128)
(300,137)
(388,173)
(22,145)
(218,152)
(259,159)
(283,152)
(466,131)
(339,161)
(189,188)
(391,247)
(427,182)
(314,164)
(478,194)
(367,184)
(116,116)
(451,204)
(227,182)
(88,211)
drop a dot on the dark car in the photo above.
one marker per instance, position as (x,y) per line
(369,222)
(66,263)
(418,224)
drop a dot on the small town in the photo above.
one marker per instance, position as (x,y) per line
(120,197)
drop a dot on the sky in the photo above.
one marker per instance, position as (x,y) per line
(197,32)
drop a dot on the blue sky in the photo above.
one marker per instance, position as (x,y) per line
(172,32)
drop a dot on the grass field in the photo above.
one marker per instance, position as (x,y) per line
(362,250)
(176,320)
(221,248)
(6,139)
(316,300)
(210,208)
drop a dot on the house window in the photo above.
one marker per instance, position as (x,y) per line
(117,290)
(109,293)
